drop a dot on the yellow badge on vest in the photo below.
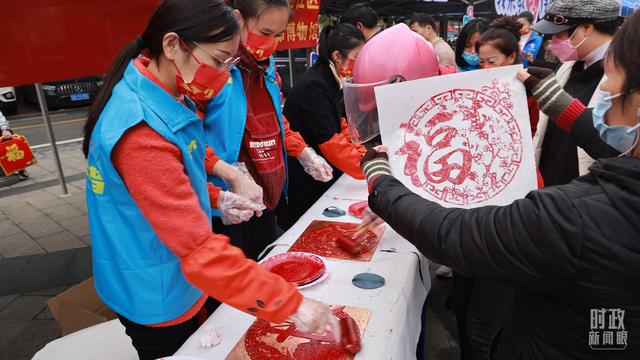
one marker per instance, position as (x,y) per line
(97,182)
(193,145)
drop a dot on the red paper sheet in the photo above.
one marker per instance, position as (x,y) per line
(319,238)
(264,340)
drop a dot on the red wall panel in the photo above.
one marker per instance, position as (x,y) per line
(44,40)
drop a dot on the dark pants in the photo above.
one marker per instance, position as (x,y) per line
(156,342)
(481,308)
(251,236)
(303,191)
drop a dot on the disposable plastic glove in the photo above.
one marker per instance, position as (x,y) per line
(315,165)
(243,184)
(235,209)
(314,317)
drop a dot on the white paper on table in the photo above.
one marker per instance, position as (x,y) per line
(461,140)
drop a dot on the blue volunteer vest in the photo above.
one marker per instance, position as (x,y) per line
(136,275)
(226,118)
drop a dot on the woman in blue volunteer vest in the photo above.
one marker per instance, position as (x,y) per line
(155,259)
(245,125)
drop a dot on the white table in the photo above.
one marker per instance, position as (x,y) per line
(106,341)
(394,327)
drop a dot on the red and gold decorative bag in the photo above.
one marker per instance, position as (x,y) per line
(15,154)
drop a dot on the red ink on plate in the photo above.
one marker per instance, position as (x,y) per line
(296,267)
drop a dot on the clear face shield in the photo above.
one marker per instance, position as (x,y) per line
(362,110)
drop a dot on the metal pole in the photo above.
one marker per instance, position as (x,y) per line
(292,64)
(47,121)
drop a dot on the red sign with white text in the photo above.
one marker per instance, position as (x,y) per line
(303,29)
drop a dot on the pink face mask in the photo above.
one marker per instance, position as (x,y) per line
(564,49)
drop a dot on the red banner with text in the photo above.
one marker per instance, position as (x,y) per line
(302,30)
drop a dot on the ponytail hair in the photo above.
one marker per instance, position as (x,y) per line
(340,37)
(202,21)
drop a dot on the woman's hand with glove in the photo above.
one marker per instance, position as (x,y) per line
(243,184)
(542,84)
(235,209)
(315,165)
(313,317)
(239,180)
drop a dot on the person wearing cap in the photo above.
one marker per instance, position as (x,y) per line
(582,31)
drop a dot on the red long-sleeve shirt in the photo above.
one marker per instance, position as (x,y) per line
(152,169)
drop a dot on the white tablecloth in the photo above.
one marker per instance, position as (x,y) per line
(394,327)
(106,341)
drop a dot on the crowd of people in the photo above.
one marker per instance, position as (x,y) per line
(190,122)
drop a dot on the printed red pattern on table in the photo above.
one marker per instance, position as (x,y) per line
(319,238)
(470,162)
(259,345)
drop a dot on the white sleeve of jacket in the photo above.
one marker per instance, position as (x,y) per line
(4,123)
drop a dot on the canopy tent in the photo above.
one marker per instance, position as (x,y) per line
(405,8)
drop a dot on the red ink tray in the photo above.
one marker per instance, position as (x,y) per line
(357,209)
(299,268)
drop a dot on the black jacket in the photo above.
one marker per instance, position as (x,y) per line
(313,108)
(314,105)
(568,249)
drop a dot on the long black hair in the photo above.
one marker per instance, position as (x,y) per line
(340,37)
(202,21)
(504,35)
(251,9)
(472,27)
